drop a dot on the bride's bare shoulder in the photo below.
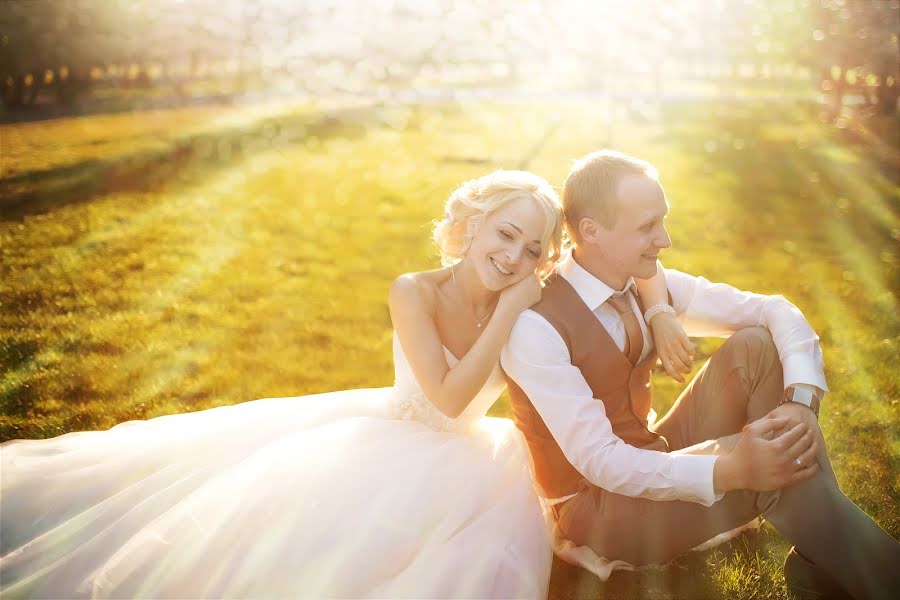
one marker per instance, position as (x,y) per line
(421,288)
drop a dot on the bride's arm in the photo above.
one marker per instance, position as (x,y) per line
(653,291)
(673,346)
(451,389)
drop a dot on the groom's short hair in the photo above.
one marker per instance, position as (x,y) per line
(590,188)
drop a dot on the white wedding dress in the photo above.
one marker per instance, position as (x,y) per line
(359,493)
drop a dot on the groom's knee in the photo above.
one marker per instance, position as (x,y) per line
(767,501)
(753,370)
(752,340)
(751,348)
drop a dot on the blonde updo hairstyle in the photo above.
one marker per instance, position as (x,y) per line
(469,205)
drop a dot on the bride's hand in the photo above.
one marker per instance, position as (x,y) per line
(520,295)
(674,348)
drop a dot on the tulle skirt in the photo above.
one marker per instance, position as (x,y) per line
(316,496)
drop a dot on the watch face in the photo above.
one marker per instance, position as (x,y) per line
(802,396)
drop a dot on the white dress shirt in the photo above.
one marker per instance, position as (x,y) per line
(538,360)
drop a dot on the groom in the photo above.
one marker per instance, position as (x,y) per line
(578,365)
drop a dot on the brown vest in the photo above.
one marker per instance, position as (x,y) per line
(623,388)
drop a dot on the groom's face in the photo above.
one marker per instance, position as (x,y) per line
(631,246)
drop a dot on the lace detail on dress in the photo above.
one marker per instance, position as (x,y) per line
(416,407)
(411,404)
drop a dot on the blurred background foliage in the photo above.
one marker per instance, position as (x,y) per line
(66,52)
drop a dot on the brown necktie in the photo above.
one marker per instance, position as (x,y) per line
(634,339)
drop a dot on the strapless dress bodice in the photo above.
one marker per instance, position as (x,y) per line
(410,402)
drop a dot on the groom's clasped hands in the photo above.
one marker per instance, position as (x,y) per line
(770,453)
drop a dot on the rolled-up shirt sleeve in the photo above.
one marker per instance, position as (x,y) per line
(708,309)
(537,359)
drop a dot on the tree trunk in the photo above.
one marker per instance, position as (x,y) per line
(835,101)
(887,95)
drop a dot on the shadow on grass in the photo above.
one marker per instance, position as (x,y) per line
(16,399)
(706,574)
(51,399)
(43,191)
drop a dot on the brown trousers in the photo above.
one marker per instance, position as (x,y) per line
(742,382)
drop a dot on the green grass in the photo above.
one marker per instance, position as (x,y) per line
(39,146)
(181,281)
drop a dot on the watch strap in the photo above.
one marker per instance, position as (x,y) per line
(801,396)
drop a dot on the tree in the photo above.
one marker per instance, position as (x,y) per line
(855,46)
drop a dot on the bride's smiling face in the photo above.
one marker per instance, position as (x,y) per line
(507,246)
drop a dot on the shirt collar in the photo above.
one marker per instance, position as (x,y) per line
(591,290)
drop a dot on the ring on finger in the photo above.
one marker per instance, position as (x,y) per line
(798,463)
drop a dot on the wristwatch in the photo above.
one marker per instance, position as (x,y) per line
(801,396)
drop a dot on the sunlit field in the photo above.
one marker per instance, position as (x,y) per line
(209,257)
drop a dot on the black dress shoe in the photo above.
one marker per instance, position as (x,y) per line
(806,581)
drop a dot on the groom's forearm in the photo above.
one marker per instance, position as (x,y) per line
(708,309)
(727,476)
(717,447)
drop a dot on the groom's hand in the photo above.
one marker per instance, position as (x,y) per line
(770,454)
(798,413)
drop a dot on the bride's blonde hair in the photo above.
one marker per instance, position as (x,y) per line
(468,206)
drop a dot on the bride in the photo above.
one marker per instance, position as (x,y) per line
(408,491)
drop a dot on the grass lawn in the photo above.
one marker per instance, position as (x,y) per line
(259,267)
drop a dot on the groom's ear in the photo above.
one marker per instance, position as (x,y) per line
(588,230)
